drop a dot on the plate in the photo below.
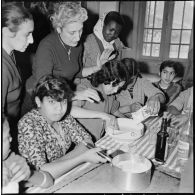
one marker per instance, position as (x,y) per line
(129,130)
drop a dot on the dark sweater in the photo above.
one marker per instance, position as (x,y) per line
(52,58)
(11,87)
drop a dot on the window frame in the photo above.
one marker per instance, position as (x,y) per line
(166,34)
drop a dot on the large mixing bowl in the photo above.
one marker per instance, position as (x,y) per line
(131,172)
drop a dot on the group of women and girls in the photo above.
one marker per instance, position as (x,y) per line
(73,95)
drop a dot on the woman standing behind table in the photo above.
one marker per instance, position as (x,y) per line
(107,81)
(104,39)
(60,53)
(17,28)
(46,133)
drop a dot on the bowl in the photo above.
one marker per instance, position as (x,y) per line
(131,172)
(128,131)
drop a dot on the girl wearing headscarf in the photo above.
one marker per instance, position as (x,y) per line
(104,40)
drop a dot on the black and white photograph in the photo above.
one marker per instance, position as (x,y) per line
(97,96)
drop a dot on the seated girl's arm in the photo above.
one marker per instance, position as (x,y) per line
(40,179)
(60,166)
(78,112)
(31,145)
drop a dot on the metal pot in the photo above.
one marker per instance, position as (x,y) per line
(132,178)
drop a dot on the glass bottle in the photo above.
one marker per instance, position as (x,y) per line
(185,141)
(162,143)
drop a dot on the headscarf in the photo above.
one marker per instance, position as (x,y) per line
(98,32)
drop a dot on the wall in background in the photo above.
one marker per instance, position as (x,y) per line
(106,6)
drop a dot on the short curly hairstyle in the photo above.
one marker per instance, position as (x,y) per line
(52,86)
(112,71)
(67,12)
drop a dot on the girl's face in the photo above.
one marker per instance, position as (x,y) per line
(109,89)
(6,139)
(51,109)
(167,75)
(111,31)
(71,33)
(23,37)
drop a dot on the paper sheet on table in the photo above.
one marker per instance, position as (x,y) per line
(141,114)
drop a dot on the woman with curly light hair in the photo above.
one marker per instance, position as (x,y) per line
(60,53)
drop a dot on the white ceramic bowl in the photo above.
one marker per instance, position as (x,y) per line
(129,130)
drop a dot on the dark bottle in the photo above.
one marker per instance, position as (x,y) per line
(161,143)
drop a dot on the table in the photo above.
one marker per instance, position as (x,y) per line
(99,180)
(98,177)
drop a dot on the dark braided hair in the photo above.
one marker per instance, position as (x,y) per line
(133,68)
(113,71)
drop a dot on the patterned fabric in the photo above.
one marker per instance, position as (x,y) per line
(39,144)
(171,92)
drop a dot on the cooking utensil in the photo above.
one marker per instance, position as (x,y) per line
(101,153)
(136,176)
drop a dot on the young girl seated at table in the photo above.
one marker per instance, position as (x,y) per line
(139,92)
(16,169)
(168,71)
(47,132)
(181,107)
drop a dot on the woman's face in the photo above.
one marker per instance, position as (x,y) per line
(71,33)
(51,109)
(109,89)
(23,37)
(6,139)
(111,31)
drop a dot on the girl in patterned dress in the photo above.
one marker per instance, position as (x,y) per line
(47,132)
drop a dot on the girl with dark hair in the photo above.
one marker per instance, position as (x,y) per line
(168,71)
(104,40)
(139,92)
(107,81)
(47,132)
(17,27)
